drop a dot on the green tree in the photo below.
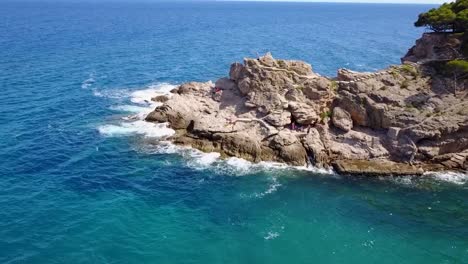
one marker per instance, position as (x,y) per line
(438,19)
(460,5)
(448,17)
(461,21)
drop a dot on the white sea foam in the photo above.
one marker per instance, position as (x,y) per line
(281,166)
(144,96)
(403,180)
(271,235)
(232,166)
(452,177)
(129,108)
(200,160)
(139,127)
(272,188)
(88,82)
(240,165)
(457,178)
(141,105)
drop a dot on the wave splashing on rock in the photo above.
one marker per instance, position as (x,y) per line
(141,103)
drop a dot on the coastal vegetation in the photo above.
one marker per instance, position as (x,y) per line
(409,69)
(451,17)
(460,66)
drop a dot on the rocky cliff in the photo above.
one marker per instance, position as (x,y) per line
(405,119)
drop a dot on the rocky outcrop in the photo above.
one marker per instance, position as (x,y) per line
(402,120)
(435,46)
(375,167)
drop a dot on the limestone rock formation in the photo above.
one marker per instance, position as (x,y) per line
(435,46)
(401,120)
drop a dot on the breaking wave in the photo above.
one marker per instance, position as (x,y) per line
(234,166)
(137,128)
(448,176)
(139,104)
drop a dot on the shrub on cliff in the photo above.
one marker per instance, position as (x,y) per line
(459,66)
(448,17)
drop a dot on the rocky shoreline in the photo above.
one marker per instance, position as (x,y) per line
(406,119)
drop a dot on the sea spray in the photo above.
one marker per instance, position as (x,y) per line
(138,127)
(458,178)
(141,105)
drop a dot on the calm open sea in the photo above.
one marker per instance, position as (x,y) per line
(78,184)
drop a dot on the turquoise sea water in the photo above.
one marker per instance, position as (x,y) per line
(79,184)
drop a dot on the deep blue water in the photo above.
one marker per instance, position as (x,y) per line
(78,186)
